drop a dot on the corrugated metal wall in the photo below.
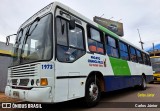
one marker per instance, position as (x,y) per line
(5,61)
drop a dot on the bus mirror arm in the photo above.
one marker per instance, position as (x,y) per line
(72,24)
(8,39)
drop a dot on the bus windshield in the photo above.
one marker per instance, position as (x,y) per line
(34,42)
(156,64)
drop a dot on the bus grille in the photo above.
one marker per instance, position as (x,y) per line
(14,81)
(26,70)
(23,82)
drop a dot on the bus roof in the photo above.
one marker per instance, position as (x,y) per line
(80,16)
(83,18)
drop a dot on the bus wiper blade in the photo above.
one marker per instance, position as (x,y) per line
(18,39)
(36,20)
(27,35)
(30,33)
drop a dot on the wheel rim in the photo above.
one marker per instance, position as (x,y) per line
(93,91)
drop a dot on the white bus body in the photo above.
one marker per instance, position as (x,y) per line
(67,69)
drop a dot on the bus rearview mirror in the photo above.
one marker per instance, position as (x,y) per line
(8,39)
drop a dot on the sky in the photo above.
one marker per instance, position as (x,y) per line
(134,14)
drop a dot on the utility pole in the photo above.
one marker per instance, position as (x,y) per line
(140,40)
(153,46)
(153,49)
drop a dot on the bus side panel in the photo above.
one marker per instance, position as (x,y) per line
(119,82)
(139,69)
(149,78)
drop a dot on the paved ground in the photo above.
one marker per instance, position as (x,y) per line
(122,98)
(3,98)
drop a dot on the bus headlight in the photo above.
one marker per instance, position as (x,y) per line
(44,82)
(32,82)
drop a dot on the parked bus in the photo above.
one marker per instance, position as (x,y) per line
(155,60)
(60,55)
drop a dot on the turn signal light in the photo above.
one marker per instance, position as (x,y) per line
(44,82)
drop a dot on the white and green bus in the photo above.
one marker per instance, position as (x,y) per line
(60,55)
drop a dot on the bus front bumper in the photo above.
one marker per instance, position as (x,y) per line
(42,95)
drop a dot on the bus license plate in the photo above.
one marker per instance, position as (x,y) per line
(16,94)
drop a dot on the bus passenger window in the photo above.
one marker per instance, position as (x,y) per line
(133,54)
(61,26)
(95,35)
(112,48)
(139,56)
(92,45)
(100,48)
(76,38)
(148,60)
(95,41)
(123,51)
(70,43)
(144,58)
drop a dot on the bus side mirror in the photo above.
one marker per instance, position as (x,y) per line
(72,24)
(8,39)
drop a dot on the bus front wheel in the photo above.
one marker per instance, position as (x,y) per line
(93,92)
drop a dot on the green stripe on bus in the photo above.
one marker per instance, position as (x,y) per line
(120,67)
(108,31)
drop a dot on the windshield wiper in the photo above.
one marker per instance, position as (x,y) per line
(29,33)
(18,38)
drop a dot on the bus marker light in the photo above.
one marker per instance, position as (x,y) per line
(82,83)
(37,82)
(44,82)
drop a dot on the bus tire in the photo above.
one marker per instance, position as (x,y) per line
(143,83)
(92,92)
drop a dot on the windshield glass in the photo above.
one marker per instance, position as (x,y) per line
(156,64)
(18,46)
(35,42)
